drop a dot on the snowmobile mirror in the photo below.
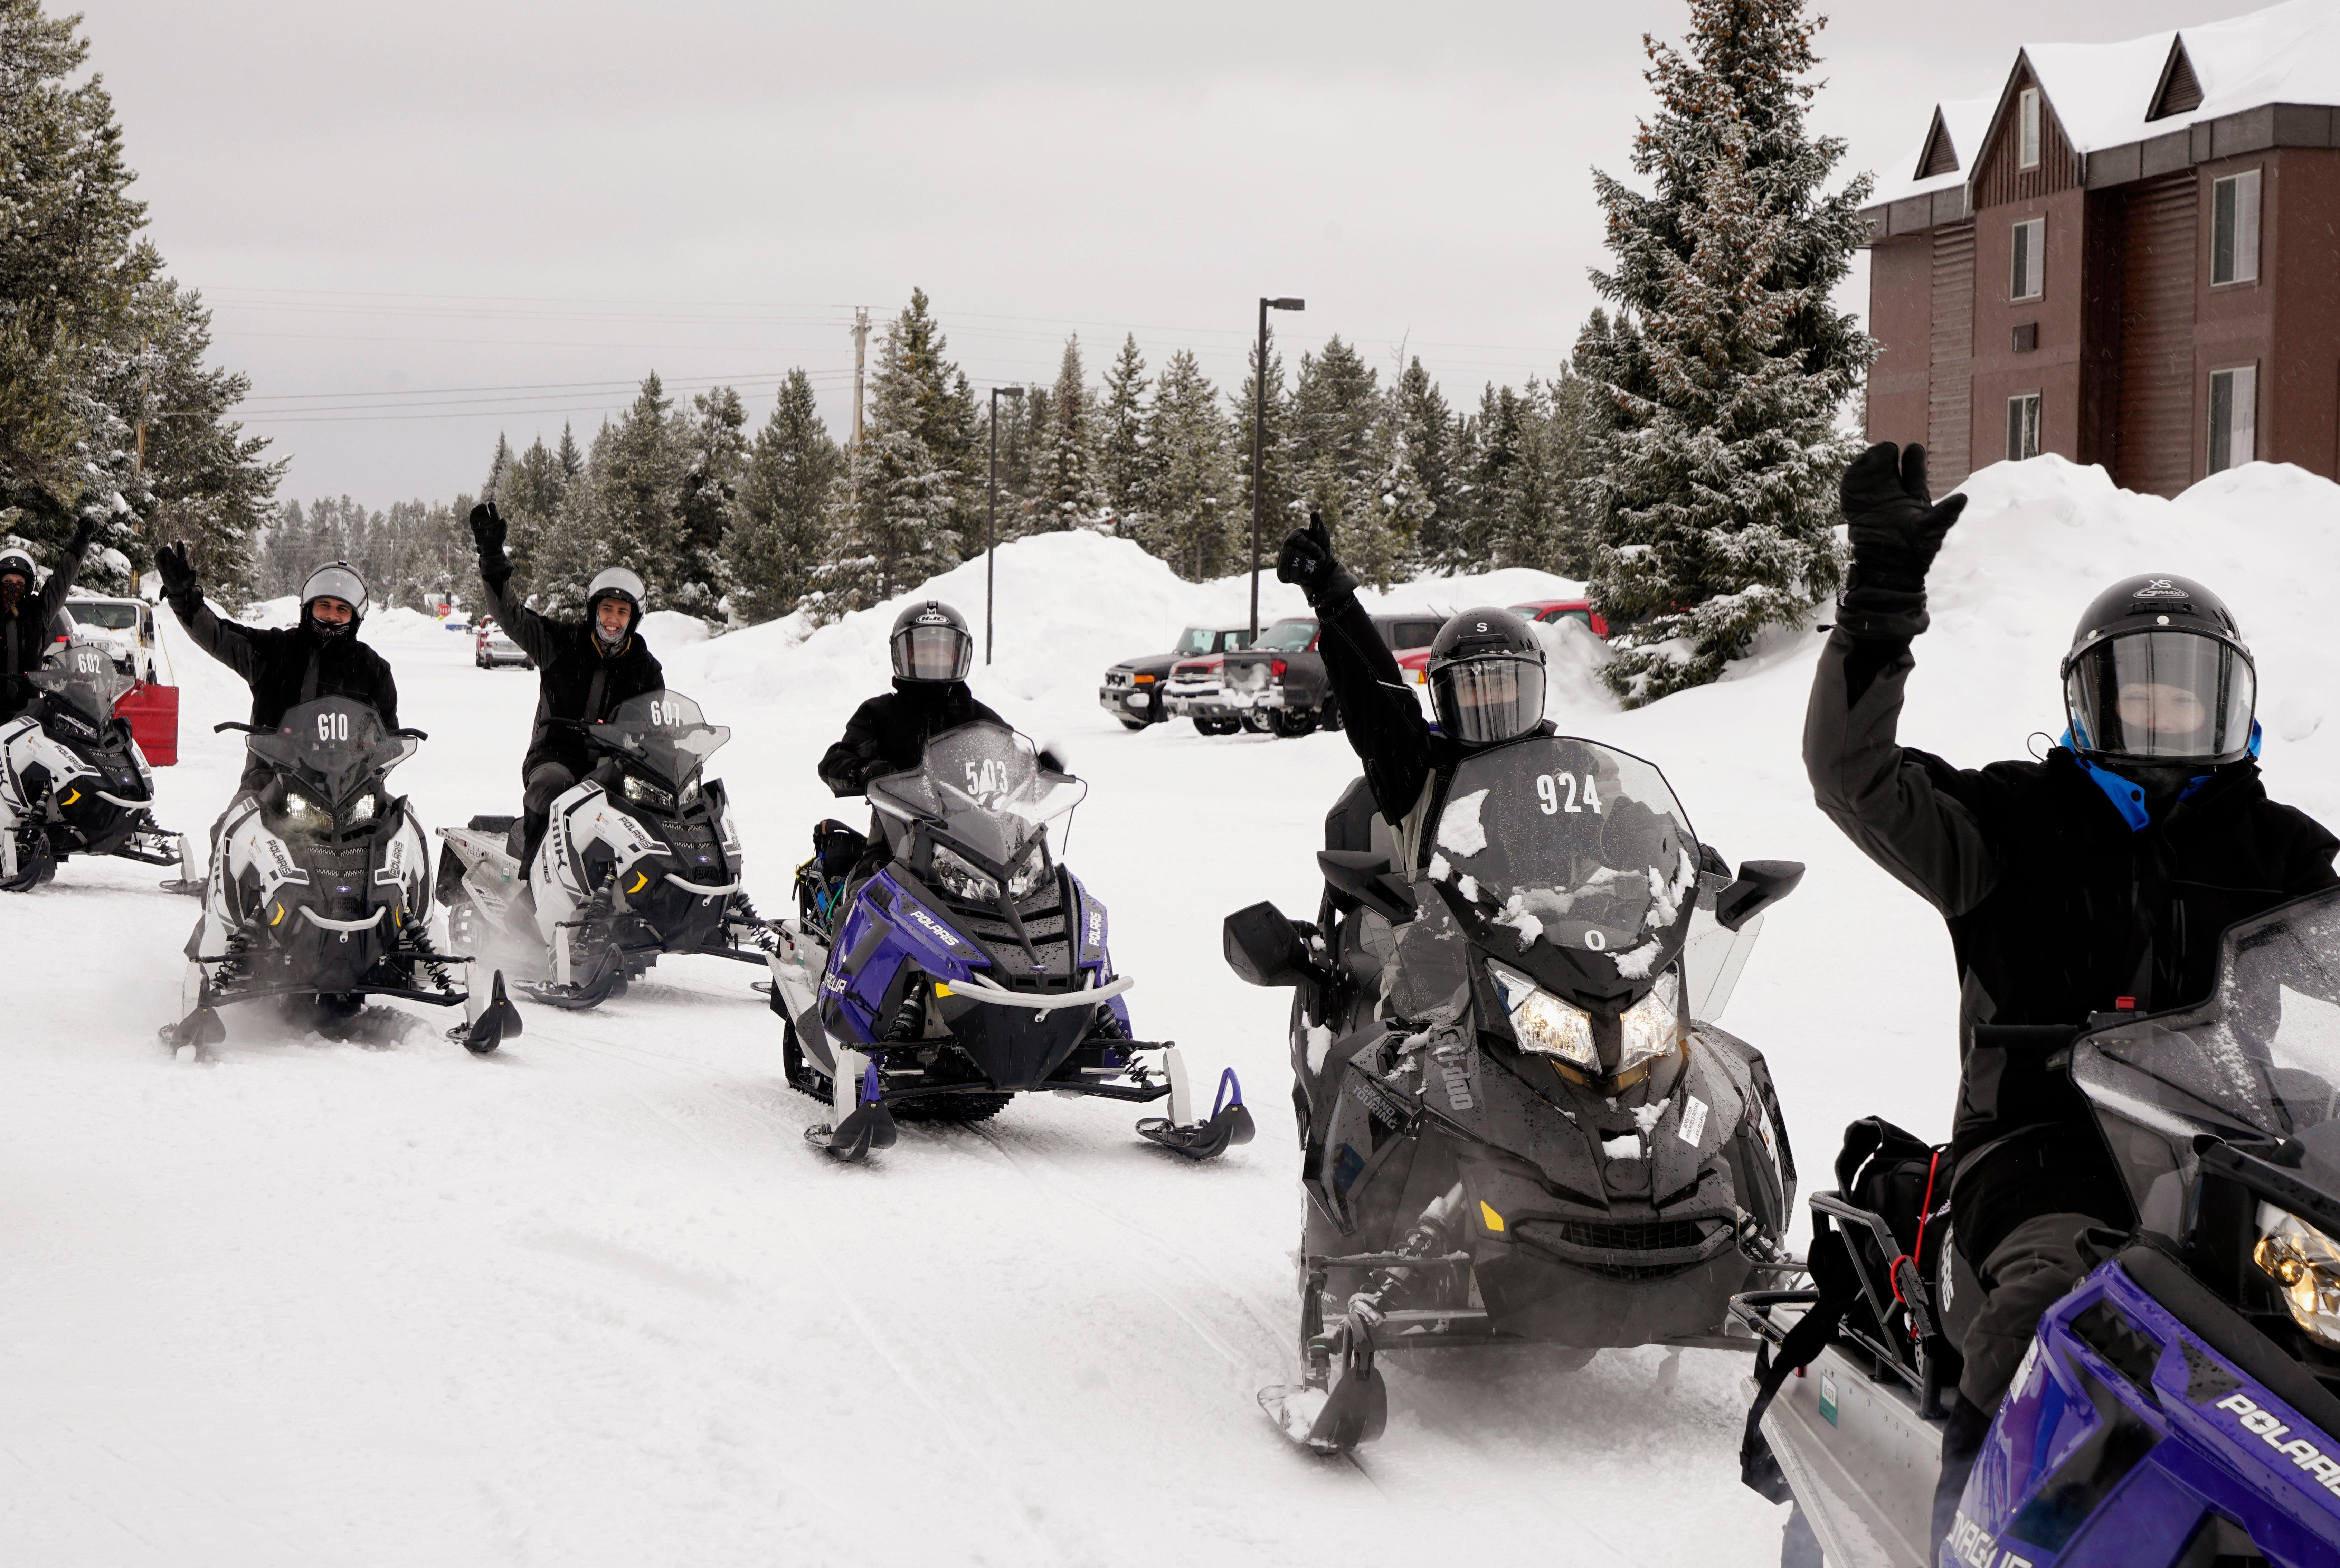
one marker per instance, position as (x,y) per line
(238,725)
(1365,877)
(1263,947)
(413,734)
(1760,885)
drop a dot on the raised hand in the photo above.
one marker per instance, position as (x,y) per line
(178,570)
(1896,526)
(488,527)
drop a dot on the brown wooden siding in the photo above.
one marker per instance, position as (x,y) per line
(1949,390)
(2158,219)
(1998,177)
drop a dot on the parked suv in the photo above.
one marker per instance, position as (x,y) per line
(1134,690)
(1279,686)
(491,647)
(125,627)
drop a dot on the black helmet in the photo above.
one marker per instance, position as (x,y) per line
(1486,677)
(930,643)
(2158,672)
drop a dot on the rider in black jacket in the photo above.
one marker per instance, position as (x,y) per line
(26,611)
(1486,676)
(585,669)
(2095,881)
(285,666)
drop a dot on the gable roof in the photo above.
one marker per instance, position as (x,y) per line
(1945,159)
(2179,88)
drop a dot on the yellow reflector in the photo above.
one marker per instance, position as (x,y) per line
(1492,1220)
(70,798)
(941,990)
(641,880)
(273,919)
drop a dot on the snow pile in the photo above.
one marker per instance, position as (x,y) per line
(665,629)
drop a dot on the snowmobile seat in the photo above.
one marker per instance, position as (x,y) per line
(492,824)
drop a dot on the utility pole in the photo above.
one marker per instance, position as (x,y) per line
(860,355)
(1259,440)
(991,510)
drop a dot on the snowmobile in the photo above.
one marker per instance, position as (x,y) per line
(2181,1405)
(971,967)
(1518,1121)
(72,778)
(318,892)
(641,860)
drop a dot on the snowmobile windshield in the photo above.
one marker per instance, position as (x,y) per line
(979,767)
(1562,842)
(338,746)
(2162,696)
(662,732)
(82,676)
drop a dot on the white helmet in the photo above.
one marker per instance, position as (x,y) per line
(17,561)
(335,580)
(615,582)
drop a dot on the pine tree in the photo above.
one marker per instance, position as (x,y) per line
(896,523)
(1064,486)
(1341,458)
(1726,363)
(635,476)
(1192,513)
(716,453)
(776,548)
(1277,483)
(1124,473)
(1425,479)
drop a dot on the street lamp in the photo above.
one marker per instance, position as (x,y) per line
(1259,440)
(991,514)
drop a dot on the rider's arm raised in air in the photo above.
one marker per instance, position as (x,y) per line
(237,647)
(68,566)
(521,624)
(1900,806)
(1378,710)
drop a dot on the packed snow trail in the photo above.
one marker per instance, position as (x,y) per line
(592,1300)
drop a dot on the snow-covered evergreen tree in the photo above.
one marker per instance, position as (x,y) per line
(1063,481)
(1277,483)
(1726,365)
(1124,473)
(715,437)
(635,475)
(777,546)
(1192,513)
(1341,454)
(896,522)
(1424,483)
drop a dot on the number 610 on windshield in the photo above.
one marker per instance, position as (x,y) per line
(1558,792)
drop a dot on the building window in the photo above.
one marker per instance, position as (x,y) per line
(2029,113)
(2234,228)
(2234,417)
(2022,427)
(2026,276)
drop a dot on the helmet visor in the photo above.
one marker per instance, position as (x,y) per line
(2166,696)
(1483,700)
(933,653)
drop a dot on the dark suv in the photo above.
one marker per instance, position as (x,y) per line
(1133,691)
(1279,686)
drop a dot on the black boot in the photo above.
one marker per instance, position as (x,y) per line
(1962,1437)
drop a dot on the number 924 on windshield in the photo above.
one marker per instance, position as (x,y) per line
(1558,792)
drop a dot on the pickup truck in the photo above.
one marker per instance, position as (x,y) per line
(1133,689)
(1278,687)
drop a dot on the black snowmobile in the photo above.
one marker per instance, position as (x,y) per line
(72,778)
(1518,1123)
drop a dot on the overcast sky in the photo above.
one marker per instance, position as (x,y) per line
(495,216)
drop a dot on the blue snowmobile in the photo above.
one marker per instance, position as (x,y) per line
(2181,1405)
(969,968)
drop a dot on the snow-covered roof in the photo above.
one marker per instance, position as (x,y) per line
(2104,96)
(1962,121)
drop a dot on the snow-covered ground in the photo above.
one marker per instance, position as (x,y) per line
(593,1300)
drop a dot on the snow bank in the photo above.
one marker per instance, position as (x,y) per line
(665,629)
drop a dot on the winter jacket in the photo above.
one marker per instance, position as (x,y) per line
(889,734)
(577,678)
(24,631)
(2057,909)
(285,667)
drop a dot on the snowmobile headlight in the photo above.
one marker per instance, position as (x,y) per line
(2304,1264)
(302,815)
(1030,868)
(690,795)
(1651,1030)
(962,880)
(364,809)
(1543,1022)
(643,792)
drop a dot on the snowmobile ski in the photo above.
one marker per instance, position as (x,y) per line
(870,1126)
(488,1024)
(1228,1124)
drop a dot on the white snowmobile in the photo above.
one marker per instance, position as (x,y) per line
(641,860)
(318,888)
(72,778)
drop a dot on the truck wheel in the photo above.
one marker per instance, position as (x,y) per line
(1329,716)
(1292,724)
(1256,722)
(1133,723)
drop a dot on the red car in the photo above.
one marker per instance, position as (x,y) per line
(1551,611)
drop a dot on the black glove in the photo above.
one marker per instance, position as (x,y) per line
(1307,560)
(178,572)
(1896,528)
(488,529)
(83,535)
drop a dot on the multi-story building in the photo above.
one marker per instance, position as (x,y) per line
(2130,257)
